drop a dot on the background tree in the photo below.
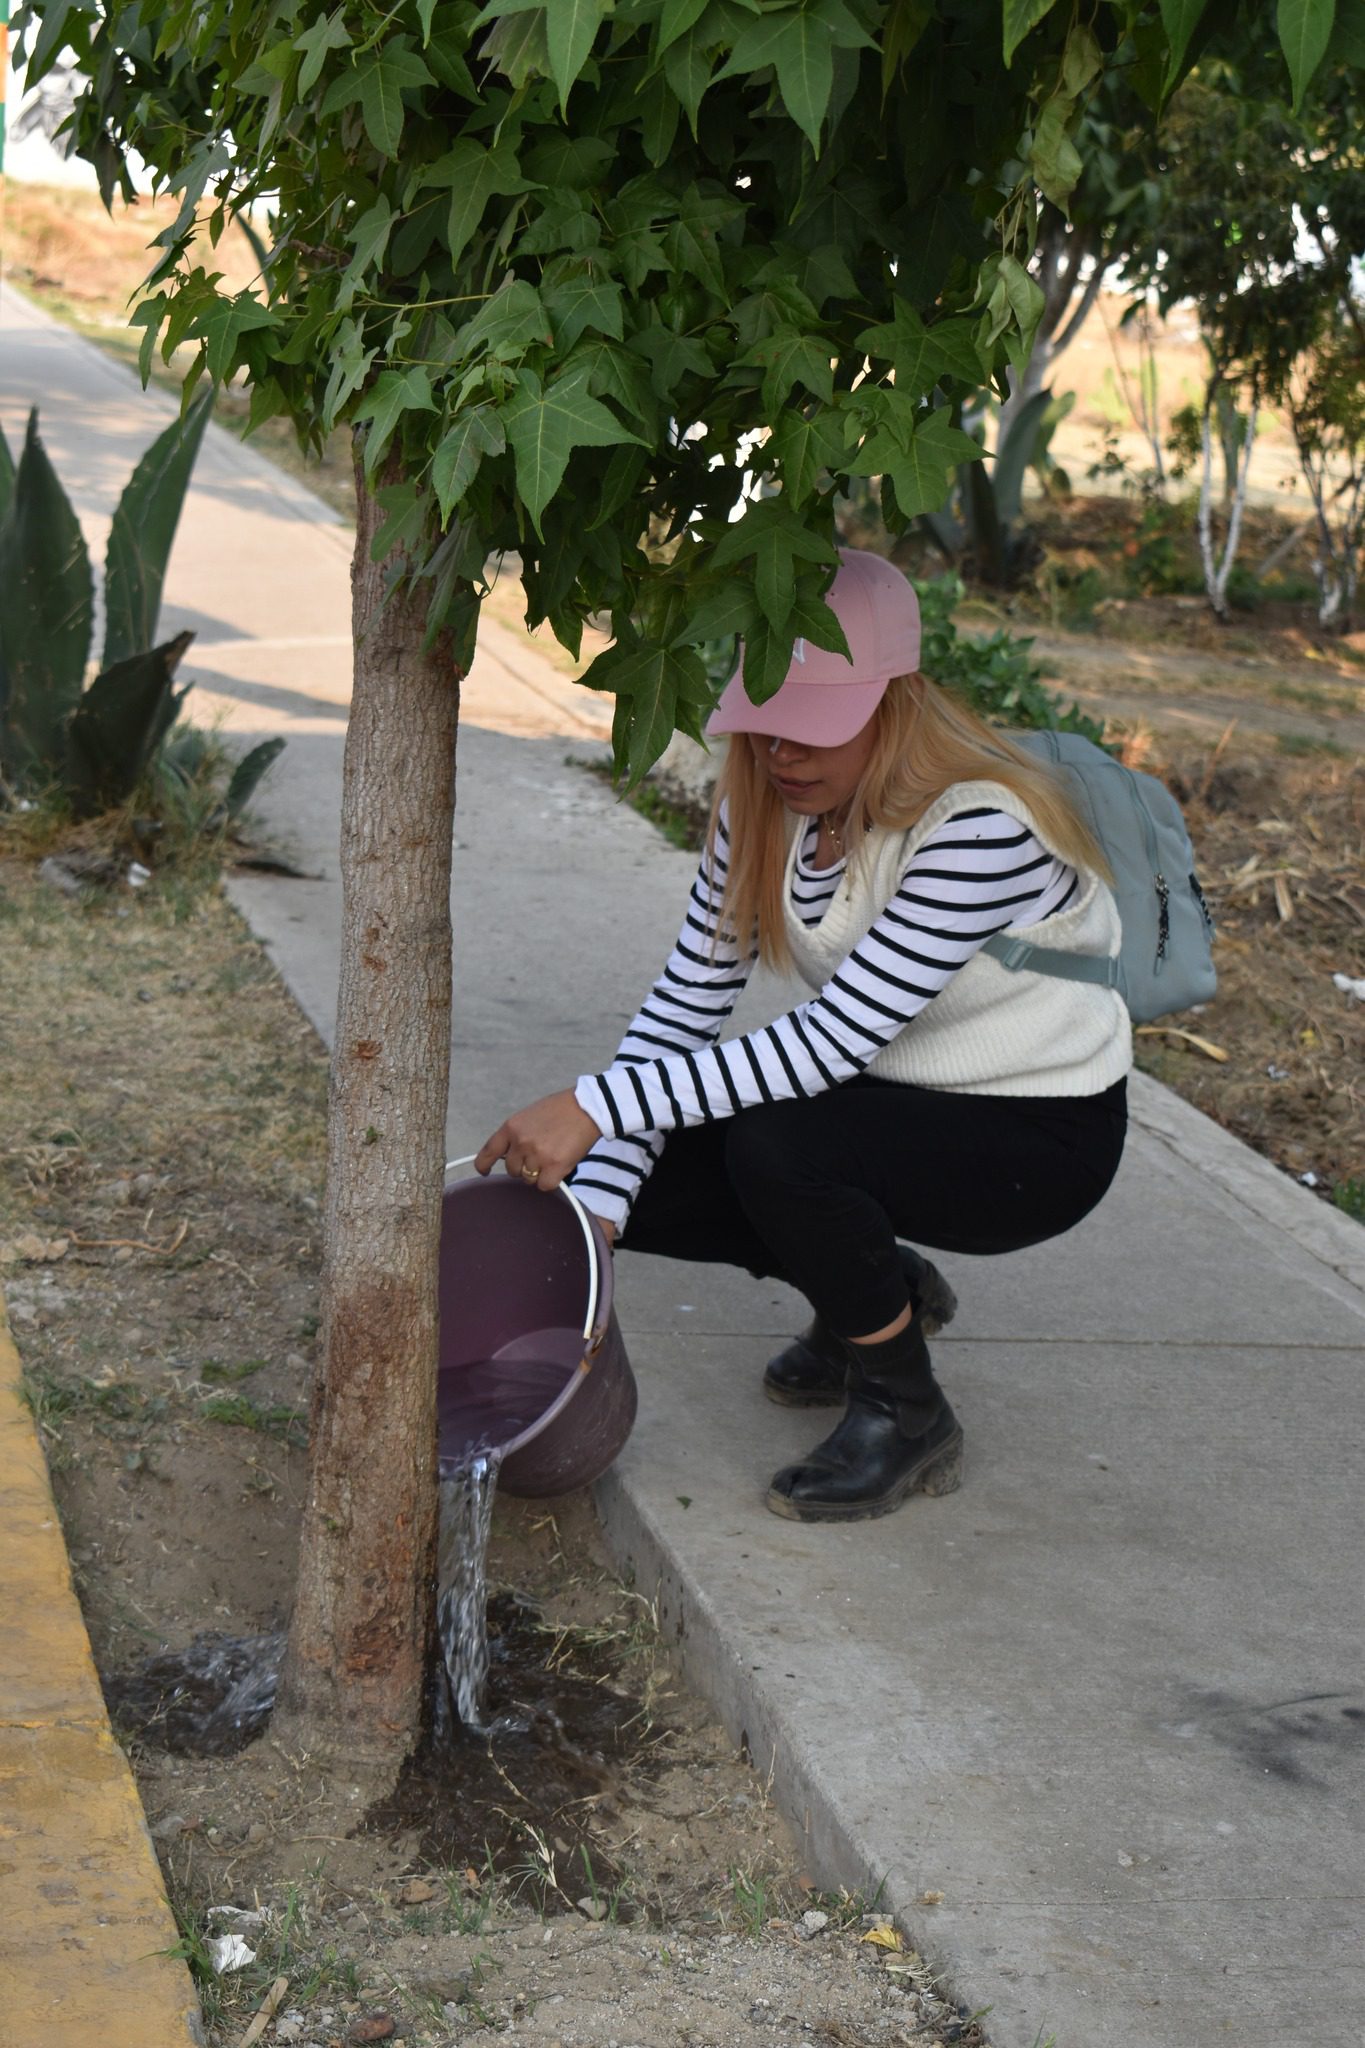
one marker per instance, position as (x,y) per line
(565,268)
(1257,213)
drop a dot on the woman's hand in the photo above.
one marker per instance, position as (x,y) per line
(542,1143)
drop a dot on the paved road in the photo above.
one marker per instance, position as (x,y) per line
(1107,1701)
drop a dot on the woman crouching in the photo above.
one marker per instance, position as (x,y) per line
(870,834)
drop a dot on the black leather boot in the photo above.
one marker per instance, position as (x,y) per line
(810,1373)
(897,1436)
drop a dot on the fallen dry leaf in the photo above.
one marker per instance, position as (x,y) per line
(884,1937)
(416,1893)
(1204,1045)
(270,2005)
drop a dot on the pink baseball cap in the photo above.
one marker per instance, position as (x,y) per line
(825,699)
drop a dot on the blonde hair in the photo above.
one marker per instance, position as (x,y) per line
(926,741)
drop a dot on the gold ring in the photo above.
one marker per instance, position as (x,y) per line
(530,1173)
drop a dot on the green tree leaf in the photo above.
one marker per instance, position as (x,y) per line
(921,468)
(688,64)
(383,79)
(516,44)
(1179,18)
(369,238)
(1054,159)
(544,426)
(787,359)
(570,26)
(799,43)
(578,298)
(506,324)
(474,175)
(922,356)
(657,690)
(393,393)
(221,325)
(1305,28)
(775,537)
(326,32)
(677,17)
(671,357)
(474,433)
(806,448)
(1018,17)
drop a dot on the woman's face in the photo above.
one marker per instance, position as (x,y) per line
(813,780)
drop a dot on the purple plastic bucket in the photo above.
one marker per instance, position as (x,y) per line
(531,1357)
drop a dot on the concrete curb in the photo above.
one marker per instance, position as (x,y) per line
(1248,1176)
(87,1923)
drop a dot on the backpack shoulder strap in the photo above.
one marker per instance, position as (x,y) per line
(1019,956)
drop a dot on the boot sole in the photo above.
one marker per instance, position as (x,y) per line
(938,1306)
(940,1473)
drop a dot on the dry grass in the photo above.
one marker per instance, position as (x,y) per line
(1278,841)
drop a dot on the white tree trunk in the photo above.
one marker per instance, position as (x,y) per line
(1218,567)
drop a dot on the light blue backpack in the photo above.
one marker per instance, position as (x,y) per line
(1165,957)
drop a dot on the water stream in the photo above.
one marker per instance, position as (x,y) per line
(462,1594)
(216,1695)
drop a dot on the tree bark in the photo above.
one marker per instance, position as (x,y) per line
(353,1676)
(1063,253)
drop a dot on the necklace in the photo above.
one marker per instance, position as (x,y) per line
(835,834)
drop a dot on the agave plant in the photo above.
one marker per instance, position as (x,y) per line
(93,741)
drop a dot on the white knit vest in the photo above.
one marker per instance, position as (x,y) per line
(991,1031)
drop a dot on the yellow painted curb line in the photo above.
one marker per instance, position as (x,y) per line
(82,1911)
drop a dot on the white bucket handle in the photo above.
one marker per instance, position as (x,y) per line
(589,1240)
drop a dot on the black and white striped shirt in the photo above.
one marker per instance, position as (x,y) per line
(979,872)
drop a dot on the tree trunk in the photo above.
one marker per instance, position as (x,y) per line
(1062,255)
(353,1676)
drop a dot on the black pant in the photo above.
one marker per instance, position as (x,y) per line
(817,1192)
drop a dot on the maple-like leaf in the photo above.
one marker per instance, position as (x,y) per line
(545,425)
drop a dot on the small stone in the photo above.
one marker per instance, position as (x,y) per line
(296,1362)
(372,2026)
(257,1832)
(417,1891)
(813,1923)
(592,1909)
(169,1825)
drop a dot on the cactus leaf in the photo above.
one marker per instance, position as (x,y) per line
(248,773)
(142,534)
(46,614)
(120,722)
(6,474)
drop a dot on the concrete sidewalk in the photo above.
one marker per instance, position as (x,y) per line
(1107,1701)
